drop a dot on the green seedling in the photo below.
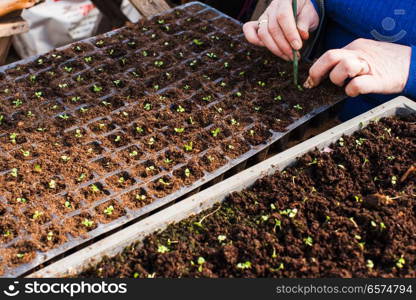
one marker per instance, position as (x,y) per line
(68,69)
(14,172)
(25,153)
(52,184)
(298,107)
(49,236)
(189,146)
(96,88)
(64,116)
(94,188)
(221,238)
(244,265)
(37,214)
(216,132)
(21,200)
(201,261)
(109,210)
(179,130)
(308,241)
(187,172)
(165,183)
(87,223)
(162,249)
(400,262)
(38,94)
(198,42)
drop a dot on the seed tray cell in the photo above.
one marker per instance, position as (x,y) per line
(103,131)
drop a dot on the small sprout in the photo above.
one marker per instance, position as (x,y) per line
(145,53)
(216,132)
(65,158)
(207,98)
(20,255)
(298,107)
(162,249)
(96,88)
(25,153)
(68,69)
(400,262)
(32,78)
(37,214)
(49,236)
(40,61)
(151,141)
(187,172)
(147,106)
(94,188)
(278,98)
(394,180)
(162,181)
(21,200)
(38,94)
(373,224)
(358,198)
(382,226)
(366,160)
(180,109)
(88,59)
(52,184)
(122,180)
(13,172)
(117,83)
(81,177)
(133,153)
(87,223)
(200,262)
(179,130)
(245,265)
(117,139)
(75,99)
(212,55)
(139,129)
(167,160)
(189,146)
(291,213)
(13,137)
(198,42)
(64,116)
(78,133)
(17,102)
(360,141)
(68,204)
(221,238)
(109,210)
(156,87)
(308,241)
(369,264)
(261,83)
(226,64)
(63,85)
(159,63)
(234,122)
(391,157)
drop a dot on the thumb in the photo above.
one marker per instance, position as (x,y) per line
(360,85)
(308,20)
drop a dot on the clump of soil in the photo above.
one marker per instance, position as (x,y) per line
(346,211)
(78,125)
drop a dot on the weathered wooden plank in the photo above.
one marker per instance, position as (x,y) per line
(13,24)
(149,8)
(5,43)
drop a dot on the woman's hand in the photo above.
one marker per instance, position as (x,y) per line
(370,67)
(276,29)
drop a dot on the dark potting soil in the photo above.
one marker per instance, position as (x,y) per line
(100,129)
(346,211)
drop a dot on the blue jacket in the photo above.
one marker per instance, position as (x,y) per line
(385,20)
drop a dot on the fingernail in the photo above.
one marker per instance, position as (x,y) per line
(296,44)
(308,83)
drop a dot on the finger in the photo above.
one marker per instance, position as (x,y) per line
(268,41)
(250,32)
(287,22)
(361,85)
(308,20)
(321,68)
(348,68)
(278,36)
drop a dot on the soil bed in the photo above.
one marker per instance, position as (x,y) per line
(78,126)
(346,211)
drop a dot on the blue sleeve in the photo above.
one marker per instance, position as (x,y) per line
(410,88)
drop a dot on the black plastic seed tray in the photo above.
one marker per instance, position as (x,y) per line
(104,131)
